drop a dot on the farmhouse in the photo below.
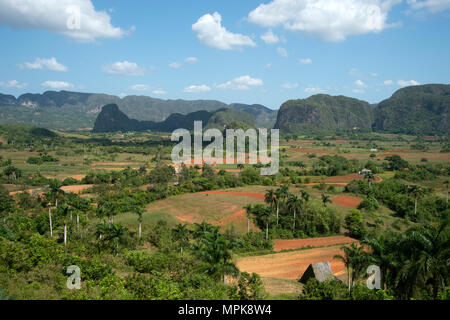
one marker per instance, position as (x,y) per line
(365,172)
(320,271)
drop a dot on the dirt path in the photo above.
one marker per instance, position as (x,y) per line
(291,265)
(280,245)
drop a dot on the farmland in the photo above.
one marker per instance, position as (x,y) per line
(273,227)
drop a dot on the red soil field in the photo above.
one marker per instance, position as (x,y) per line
(280,245)
(246,194)
(76,188)
(347,201)
(291,265)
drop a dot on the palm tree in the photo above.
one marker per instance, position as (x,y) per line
(265,215)
(417,192)
(248,213)
(380,255)
(50,218)
(214,251)
(55,190)
(202,229)
(325,199)
(294,203)
(79,204)
(427,254)
(281,195)
(370,177)
(181,233)
(355,259)
(305,199)
(63,211)
(446,182)
(111,235)
(139,211)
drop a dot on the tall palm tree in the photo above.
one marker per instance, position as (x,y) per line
(181,234)
(214,251)
(50,218)
(427,254)
(370,177)
(294,204)
(417,192)
(325,199)
(202,229)
(305,199)
(63,210)
(446,182)
(55,190)
(355,259)
(281,195)
(139,211)
(380,255)
(264,214)
(248,213)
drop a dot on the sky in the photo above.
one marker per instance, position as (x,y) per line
(263,52)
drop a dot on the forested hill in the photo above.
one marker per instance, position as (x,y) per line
(112,119)
(324,114)
(66,110)
(415,110)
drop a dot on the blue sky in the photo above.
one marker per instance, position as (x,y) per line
(249,51)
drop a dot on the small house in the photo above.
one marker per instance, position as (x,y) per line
(365,172)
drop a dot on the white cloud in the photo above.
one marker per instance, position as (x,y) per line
(76,19)
(388,82)
(241,83)
(140,87)
(404,83)
(330,20)
(354,72)
(305,61)
(45,64)
(210,32)
(159,92)
(429,5)
(374,74)
(191,60)
(123,68)
(360,84)
(282,52)
(288,85)
(268,65)
(269,37)
(13,84)
(175,65)
(195,89)
(57,85)
(314,90)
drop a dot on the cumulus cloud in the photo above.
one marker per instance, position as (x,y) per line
(191,60)
(330,20)
(44,64)
(159,92)
(288,85)
(175,65)
(13,84)
(140,87)
(241,83)
(429,5)
(311,89)
(195,89)
(57,84)
(269,37)
(210,32)
(388,82)
(305,61)
(123,68)
(76,19)
(282,52)
(360,84)
(407,83)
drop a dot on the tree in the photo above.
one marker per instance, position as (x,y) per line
(264,214)
(110,235)
(12,173)
(354,223)
(248,213)
(380,255)
(305,199)
(63,211)
(427,257)
(281,195)
(79,204)
(370,177)
(139,211)
(55,190)
(355,260)
(325,199)
(417,192)
(446,182)
(294,204)
(213,249)
(181,234)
